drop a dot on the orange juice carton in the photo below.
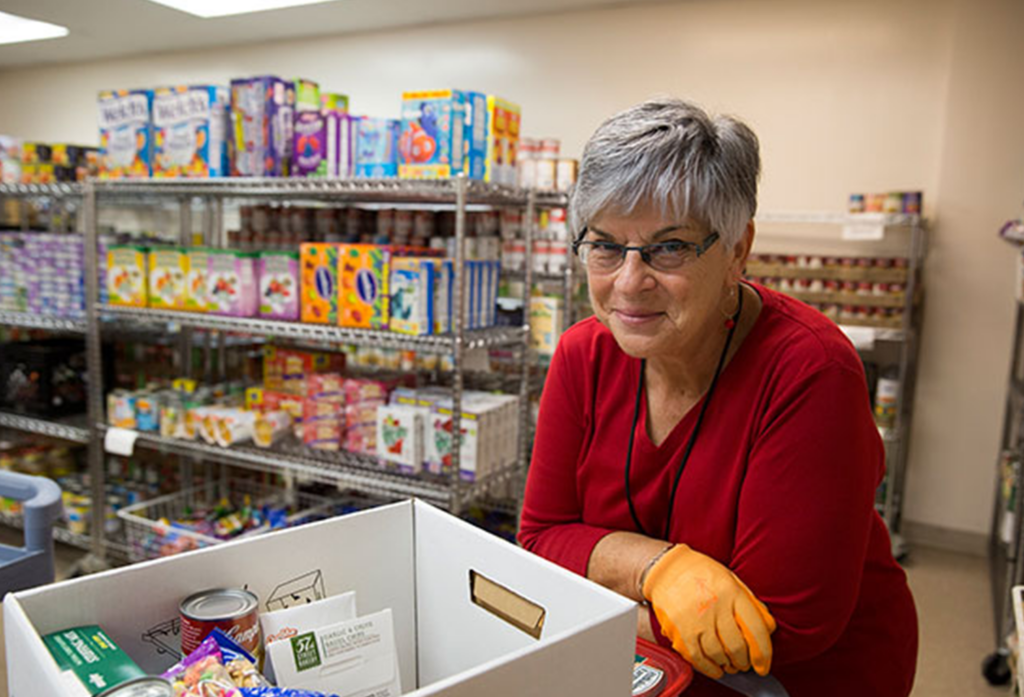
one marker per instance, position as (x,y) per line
(190,126)
(319,283)
(126,134)
(127,277)
(431,142)
(363,271)
(168,274)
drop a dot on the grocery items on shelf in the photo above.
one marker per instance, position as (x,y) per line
(262,110)
(126,134)
(42,273)
(540,166)
(190,131)
(431,143)
(45,163)
(43,377)
(906,202)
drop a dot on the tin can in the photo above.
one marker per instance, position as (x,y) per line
(856,203)
(234,610)
(141,687)
(874,203)
(549,149)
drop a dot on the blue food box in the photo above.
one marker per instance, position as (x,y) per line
(376,148)
(431,142)
(190,131)
(412,295)
(262,130)
(476,135)
(126,134)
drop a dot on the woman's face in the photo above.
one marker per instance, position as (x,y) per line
(663,314)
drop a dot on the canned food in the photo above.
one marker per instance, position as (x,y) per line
(141,687)
(874,203)
(234,610)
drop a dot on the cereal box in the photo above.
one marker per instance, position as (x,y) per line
(476,136)
(125,134)
(319,283)
(168,274)
(363,271)
(261,126)
(503,119)
(430,145)
(231,284)
(196,299)
(310,154)
(307,96)
(190,131)
(127,277)
(412,295)
(376,149)
(279,285)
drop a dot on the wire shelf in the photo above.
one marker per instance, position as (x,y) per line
(28,320)
(58,190)
(480,338)
(74,429)
(886,219)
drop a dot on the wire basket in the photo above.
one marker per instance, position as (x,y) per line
(150,535)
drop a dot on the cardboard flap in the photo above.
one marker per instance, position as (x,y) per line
(521,613)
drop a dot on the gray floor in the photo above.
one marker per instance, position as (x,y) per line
(953,603)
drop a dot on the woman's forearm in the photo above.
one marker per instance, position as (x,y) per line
(619,559)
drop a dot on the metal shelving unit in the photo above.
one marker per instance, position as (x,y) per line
(904,340)
(73,429)
(26,320)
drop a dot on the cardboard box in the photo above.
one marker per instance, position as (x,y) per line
(503,119)
(412,295)
(190,127)
(430,146)
(262,110)
(168,271)
(127,275)
(376,148)
(473,614)
(126,134)
(319,277)
(363,271)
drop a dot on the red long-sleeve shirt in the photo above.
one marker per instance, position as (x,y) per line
(780,488)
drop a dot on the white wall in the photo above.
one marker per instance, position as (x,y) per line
(861,95)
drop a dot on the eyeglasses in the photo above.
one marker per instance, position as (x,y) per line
(600,256)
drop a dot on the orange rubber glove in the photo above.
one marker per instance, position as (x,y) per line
(711,617)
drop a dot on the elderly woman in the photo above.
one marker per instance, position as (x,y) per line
(705,445)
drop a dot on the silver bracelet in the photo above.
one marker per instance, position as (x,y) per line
(647,569)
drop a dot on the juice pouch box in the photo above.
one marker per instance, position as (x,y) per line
(125,134)
(475,134)
(310,150)
(231,284)
(196,299)
(503,120)
(430,145)
(319,283)
(363,271)
(168,278)
(279,285)
(411,307)
(376,148)
(190,125)
(127,279)
(261,126)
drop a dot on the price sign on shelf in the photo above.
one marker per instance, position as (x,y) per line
(860,232)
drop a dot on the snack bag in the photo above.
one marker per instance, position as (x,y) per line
(202,673)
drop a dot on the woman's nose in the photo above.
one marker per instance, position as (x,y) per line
(634,274)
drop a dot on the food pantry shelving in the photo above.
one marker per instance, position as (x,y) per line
(355,471)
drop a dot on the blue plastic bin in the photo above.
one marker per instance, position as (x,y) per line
(30,565)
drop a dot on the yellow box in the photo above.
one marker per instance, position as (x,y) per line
(196,299)
(168,274)
(127,277)
(545,324)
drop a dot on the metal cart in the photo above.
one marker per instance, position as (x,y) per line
(32,564)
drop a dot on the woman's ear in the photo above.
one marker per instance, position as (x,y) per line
(742,251)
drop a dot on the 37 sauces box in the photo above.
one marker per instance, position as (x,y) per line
(363,271)
(376,148)
(430,146)
(261,126)
(319,282)
(127,279)
(503,120)
(168,276)
(190,131)
(125,134)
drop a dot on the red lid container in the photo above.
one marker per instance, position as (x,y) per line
(659,672)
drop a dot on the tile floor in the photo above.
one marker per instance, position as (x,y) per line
(954,606)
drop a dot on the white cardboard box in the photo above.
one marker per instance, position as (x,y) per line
(409,557)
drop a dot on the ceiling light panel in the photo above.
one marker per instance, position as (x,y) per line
(225,8)
(15,29)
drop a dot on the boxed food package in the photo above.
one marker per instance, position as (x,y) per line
(168,273)
(261,126)
(196,299)
(341,138)
(503,120)
(535,628)
(443,279)
(411,309)
(400,435)
(190,127)
(232,287)
(319,277)
(362,398)
(376,148)
(279,285)
(291,370)
(546,319)
(126,134)
(489,434)
(476,135)
(363,271)
(127,277)
(431,143)
(310,154)
(10,160)
(307,96)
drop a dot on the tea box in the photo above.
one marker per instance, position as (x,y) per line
(279,285)
(363,271)
(127,278)
(319,283)
(190,126)
(168,273)
(125,134)
(231,284)
(431,142)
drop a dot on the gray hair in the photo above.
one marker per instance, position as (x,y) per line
(670,154)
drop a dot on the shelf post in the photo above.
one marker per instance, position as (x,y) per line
(458,338)
(94,363)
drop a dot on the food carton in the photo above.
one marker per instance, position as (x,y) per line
(363,271)
(232,287)
(261,123)
(319,276)
(307,96)
(196,299)
(476,134)
(412,295)
(430,145)
(127,277)
(190,126)
(168,273)
(341,138)
(503,120)
(400,435)
(310,154)
(376,148)
(279,285)
(125,134)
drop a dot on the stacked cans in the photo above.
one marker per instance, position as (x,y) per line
(42,273)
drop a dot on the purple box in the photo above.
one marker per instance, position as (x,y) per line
(262,130)
(279,285)
(309,158)
(341,132)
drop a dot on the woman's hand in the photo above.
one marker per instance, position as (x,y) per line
(711,617)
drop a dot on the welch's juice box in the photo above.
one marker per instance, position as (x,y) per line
(126,142)
(190,131)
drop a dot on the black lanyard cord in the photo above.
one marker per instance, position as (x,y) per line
(693,436)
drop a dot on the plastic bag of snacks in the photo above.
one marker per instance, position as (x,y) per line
(218,668)
(280,692)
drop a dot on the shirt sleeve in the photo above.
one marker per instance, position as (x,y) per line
(551,521)
(806,508)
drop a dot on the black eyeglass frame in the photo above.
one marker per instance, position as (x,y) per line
(645,250)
